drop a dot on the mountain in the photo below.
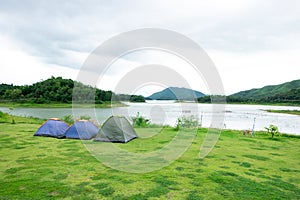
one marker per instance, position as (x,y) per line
(176,93)
(285,92)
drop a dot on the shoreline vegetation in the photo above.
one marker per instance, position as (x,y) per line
(62,105)
(120,104)
(247,101)
(59,92)
(291,112)
(252,168)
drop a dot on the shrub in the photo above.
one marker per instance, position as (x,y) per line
(1,114)
(68,119)
(187,122)
(273,130)
(85,117)
(140,121)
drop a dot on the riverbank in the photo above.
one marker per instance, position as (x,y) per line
(120,104)
(239,167)
(61,105)
(291,112)
(237,117)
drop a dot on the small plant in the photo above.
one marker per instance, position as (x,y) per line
(12,119)
(68,119)
(187,122)
(1,114)
(85,117)
(273,130)
(140,121)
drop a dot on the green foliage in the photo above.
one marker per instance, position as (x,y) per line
(283,93)
(190,121)
(288,93)
(273,130)
(53,90)
(140,121)
(137,98)
(85,117)
(69,119)
(213,98)
(1,114)
(130,98)
(292,112)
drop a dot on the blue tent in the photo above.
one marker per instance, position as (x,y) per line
(52,128)
(82,129)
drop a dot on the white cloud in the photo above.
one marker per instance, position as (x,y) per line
(167,64)
(241,71)
(19,68)
(253,43)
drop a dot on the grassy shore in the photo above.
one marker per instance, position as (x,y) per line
(60,105)
(239,167)
(292,112)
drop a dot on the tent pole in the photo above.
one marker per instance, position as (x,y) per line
(253,127)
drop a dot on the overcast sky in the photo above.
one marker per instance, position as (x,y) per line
(252,43)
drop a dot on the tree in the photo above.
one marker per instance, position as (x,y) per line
(273,130)
(13,94)
(136,98)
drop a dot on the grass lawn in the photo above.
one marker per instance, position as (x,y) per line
(292,112)
(239,167)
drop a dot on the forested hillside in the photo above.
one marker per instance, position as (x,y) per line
(56,90)
(283,93)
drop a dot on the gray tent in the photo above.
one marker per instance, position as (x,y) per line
(116,129)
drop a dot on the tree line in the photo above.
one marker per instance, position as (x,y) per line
(59,90)
(291,96)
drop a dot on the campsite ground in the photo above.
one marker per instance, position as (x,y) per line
(239,167)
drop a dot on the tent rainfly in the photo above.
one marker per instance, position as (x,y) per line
(82,129)
(53,127)
(116,129)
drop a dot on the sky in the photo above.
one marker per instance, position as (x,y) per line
(251,43)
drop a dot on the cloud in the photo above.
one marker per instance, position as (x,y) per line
(18,67)
(241,36)
(242,71)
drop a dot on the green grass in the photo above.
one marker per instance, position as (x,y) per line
(238,167)
(292,112)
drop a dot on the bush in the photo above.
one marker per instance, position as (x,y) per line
(273,130)
(85,117)
(187,122)
(1,114)
(140,121)
(68,119)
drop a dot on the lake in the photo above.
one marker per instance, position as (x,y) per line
(238,117)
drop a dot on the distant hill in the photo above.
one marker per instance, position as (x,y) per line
(59,90)
(285,92)
(176,93)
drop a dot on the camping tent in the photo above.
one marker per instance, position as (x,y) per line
(53,127)
(82,129)
(116,129)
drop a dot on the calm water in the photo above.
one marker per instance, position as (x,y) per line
(165,112)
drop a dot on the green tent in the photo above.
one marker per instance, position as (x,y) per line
(116,129)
